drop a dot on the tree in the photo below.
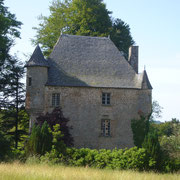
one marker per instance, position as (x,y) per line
(10,70)
(152,146)
(140,128)
(9,30)
(54,118)
(121,36)
(156,111)
(13,97)
(81,17)
(170,138)
(40,140)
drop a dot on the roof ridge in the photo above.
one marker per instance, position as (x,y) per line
(96,37)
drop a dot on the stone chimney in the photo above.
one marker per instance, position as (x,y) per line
(133,57)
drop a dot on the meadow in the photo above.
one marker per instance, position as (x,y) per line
(18,171)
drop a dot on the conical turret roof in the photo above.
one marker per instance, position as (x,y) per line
(37,59)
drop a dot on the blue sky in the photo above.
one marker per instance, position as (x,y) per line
(155,27)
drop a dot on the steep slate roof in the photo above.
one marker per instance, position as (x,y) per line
(37,58)
(90,61)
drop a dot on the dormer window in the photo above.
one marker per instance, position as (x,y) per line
(55,99)
(106,98)
(29,81)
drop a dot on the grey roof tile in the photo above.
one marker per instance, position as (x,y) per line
(90,61)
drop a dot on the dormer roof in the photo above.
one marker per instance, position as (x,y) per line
(37,59)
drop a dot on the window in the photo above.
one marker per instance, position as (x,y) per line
(106,98)
(30,81)
(105,127)
(55,99)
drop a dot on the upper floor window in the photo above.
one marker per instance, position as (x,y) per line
(106,98)
(55,99)
(29,81)
(105,127)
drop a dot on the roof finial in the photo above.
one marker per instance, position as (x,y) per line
(144,67)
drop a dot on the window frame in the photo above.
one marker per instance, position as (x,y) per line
(55,99)
(106,99)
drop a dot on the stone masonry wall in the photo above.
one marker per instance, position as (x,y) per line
(83,106)
(35,93)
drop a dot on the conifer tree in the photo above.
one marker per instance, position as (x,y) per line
(152,146)
(12,100)
(40,140)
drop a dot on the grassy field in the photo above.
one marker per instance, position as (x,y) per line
(18,171)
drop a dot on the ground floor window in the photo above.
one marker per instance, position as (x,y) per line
(105,127)
(55,99)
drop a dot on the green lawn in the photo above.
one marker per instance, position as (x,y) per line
(18,171)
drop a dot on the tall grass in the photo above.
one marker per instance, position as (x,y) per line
(17,171)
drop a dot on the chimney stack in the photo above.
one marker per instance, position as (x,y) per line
(133,57)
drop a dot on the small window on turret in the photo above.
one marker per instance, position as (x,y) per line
(30,81)
(55,99)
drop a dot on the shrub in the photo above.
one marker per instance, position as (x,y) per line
(152,146)
(57,117)
(132,158)
(40,140)
(140,128)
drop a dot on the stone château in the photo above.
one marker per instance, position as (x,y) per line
(96,87)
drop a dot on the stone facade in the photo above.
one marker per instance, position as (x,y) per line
(82,105)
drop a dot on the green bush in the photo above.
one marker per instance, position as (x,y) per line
(132,158)
(140,128)
(117,159)
(40,140)
(152,146)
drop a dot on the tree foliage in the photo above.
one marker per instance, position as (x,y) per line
(54,118)
(12,98)
(9,30)
(81,17)
(152,146)
(169,137)
(121,36)
(4,146)
(45,141)
(40,140)
(11,74)
(156,111)
(140,128)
